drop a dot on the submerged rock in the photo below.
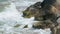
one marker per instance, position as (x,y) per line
(17,25)
(26,26)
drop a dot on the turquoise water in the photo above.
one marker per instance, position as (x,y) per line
(3,3)
(3,0)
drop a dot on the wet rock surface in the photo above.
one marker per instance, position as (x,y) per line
(43,11)
(40,13)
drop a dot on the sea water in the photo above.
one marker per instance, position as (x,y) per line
(11,15)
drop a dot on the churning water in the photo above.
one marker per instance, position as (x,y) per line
(11,16)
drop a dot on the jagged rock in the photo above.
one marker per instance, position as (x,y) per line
(41,13)
(47,10)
